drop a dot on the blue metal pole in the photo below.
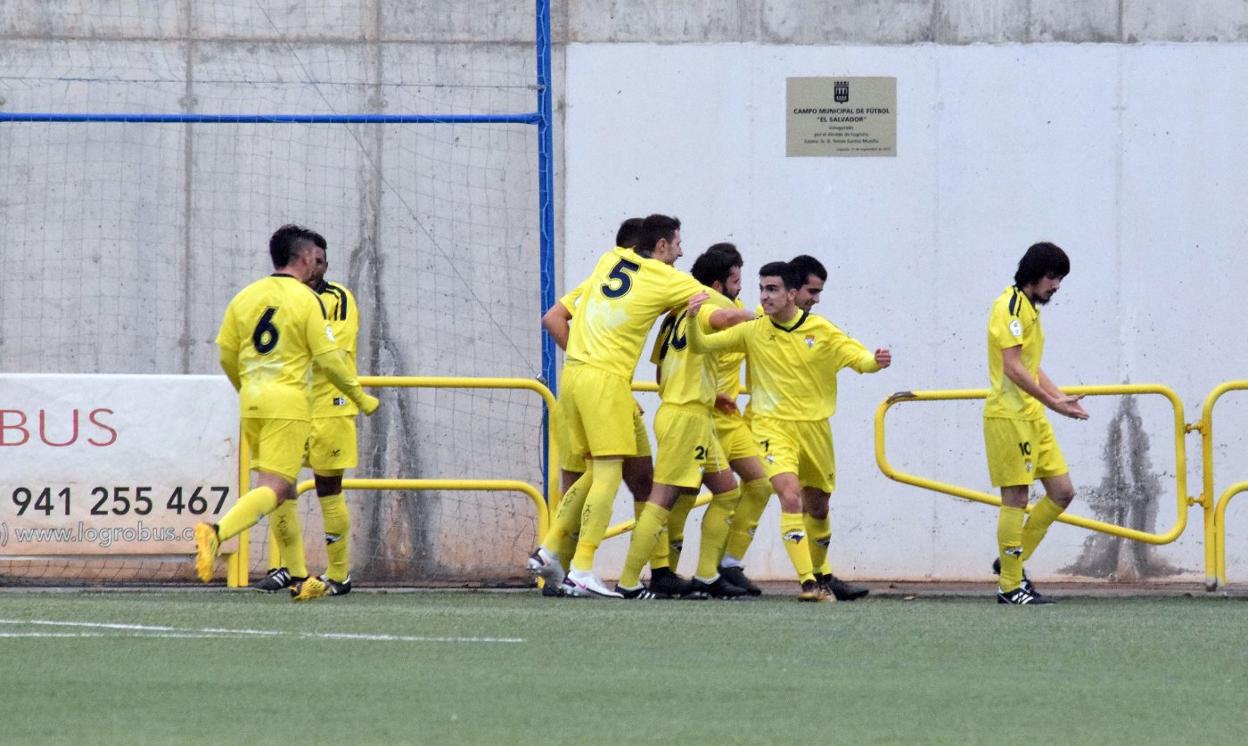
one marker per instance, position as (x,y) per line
(546,206)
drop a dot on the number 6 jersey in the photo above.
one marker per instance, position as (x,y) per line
(271,331)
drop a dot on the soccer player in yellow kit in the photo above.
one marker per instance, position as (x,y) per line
(793,359)
(627,291)
(720,269)
(1018,439)
(273,331)
(638,470)
(332,449)
(689,451)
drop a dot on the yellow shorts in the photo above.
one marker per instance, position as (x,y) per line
(332,445)
(735,437)
(803,448)
(1021,451)
(276,446)
(688,447)
(596,409)
(570,461)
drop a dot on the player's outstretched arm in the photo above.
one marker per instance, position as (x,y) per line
(333,363)
(557,322)
(728,340)
(723,318)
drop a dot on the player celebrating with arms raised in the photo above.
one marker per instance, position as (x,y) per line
(1018,438)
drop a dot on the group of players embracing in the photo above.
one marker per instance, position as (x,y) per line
(781,444)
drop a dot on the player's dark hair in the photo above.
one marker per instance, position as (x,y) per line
(629,233)
(807,265)
(788,275)
(287,243)
(656,228)
(319,240)
(716,265)
(729,249)
(1041,260)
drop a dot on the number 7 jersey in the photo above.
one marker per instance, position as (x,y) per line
(275,326)
(618,305)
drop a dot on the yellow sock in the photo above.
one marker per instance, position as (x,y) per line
(608,474)
(285,522)
(646,533)
(275,549)
(1042,516)
(659,558)
(676,528)
(716,523)
(819,532)
(560,538)
(793,535)
(1010,543)
(337,536)
(246,512)
(754,497)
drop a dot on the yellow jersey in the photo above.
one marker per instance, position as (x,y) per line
(728,365)
(573,297)
(1014,321)
(275,326)
(343,315)
(792,367)
(685,376)
(621,299)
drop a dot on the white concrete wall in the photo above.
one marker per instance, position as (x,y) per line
(1124,155)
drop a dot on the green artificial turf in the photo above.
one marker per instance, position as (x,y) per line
(513,668)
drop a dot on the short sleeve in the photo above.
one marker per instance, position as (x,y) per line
(1004,329)
(227,336)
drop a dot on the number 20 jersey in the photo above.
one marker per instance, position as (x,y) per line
(275,325)
(623,296)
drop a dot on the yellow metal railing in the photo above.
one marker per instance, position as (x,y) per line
(1180,457)
(524,384)
(1215,547)
(238,562)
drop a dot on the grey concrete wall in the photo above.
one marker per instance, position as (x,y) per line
(890,22)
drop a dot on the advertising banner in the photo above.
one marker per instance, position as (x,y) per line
(113,464)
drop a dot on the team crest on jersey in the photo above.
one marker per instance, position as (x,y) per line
(1016,327)
(1027,465)
(329,332)
(810,341)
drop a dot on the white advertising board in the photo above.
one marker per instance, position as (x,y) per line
(113,464)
